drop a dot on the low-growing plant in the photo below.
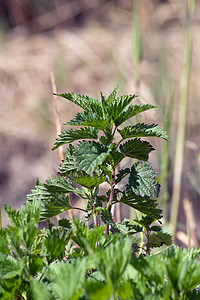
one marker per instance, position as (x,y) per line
(106,260)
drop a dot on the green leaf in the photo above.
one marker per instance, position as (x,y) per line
(107,217)
(87,180)
(113,260)
(54,244)
(55,206)
(143,130)
(142,180)
(136,149)
(39,290)
(85,102)
(122,173)
(160,238)
(144,204)
(50,189)
(71,135)
(4,249)
(88,118)
(131,111)
(89,155)
(117,106)
(67,279)
(9,267)
(98,290)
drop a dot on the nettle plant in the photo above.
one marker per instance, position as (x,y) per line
(103,144)
(114,261)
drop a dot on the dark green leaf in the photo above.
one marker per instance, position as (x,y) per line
(85,102)
(160,238)
(71,135)
(89,155)
(55,206)
(50,189)
(89,119)
(136,149)
(87,180)
(142,180)
(122,173)
(131,111)
(143,130)
(117,106)
(144,204)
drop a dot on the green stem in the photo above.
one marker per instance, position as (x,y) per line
(111,198)
(179,155)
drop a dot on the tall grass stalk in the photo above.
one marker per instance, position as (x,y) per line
(179,154)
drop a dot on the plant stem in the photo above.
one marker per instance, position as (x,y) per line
(110,202)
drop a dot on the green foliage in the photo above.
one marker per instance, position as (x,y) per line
(110,261)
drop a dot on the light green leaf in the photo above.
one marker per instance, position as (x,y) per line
(54,244)
(9,267)
(39,290)
(143,130)
(142,180)
(67,279)
(131,111)
(89,155)
(136,149)
(113,260)
(144,204)
(71,135)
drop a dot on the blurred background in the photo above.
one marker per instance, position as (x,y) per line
(148,47)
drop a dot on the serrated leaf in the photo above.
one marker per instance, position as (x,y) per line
(136,149)
(87,180)
(107,217)
(159,238)
(142,180)
(143,130)
(67,279)
(40,290)
(144,204)
(113,260)
(55,206)
(50,189)
(9,267)
(117,106)
(54,244)
(122,173)
(71,135)
(89,155)
(131,111)
(85,102)
(112,96)
(88,118)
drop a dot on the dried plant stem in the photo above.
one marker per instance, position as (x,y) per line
(58,126)
(136,43)
(191,224)
(182,119)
